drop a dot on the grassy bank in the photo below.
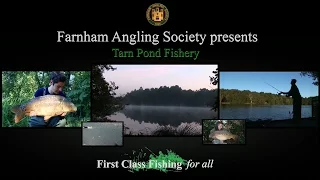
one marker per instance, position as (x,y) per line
(187,130)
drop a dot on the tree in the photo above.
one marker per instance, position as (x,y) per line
(214,81)
(250,98)
(313,74)
(234,96)
(171,96)
(19,87)
(103,94)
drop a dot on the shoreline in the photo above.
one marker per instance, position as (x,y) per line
(284,123)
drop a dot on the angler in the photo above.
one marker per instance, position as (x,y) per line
(49,107)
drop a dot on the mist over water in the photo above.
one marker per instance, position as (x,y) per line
(146,119)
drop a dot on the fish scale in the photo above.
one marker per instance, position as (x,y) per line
(47,106)
(222,135)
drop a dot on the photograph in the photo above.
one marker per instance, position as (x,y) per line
(224,131)
(43,99)
(102,133)
(270,99)
(155,100)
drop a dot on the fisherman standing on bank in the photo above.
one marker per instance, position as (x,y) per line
(297,99)
(57,82)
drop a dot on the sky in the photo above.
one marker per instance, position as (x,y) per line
(130,77)
(258,81)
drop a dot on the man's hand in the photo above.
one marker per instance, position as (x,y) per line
(61,123)
(32,113)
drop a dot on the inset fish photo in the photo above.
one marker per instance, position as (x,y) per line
(223,131)
(45,99)
(102,134)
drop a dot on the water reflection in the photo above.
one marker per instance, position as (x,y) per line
(148,120)
(266,112)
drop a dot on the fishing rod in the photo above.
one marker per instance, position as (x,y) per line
(274,88)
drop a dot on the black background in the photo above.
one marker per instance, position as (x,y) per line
(286,42)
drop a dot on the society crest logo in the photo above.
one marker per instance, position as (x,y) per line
(157,14)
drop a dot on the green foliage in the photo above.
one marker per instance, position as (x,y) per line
(237,127)
(163,162)
(234,96)
(170,157)
(19,87)
(103,93)
(80,90)
(207,126)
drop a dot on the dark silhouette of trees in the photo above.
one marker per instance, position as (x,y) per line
(104,102)
(214,80)
(170,96)
(234,96)
(313,74)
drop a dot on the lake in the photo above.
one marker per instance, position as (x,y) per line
(274,112)
(144,120)
(102,134)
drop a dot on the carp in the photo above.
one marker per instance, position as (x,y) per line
(222,135)
(47,106)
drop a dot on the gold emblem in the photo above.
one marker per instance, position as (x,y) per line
(157,14)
